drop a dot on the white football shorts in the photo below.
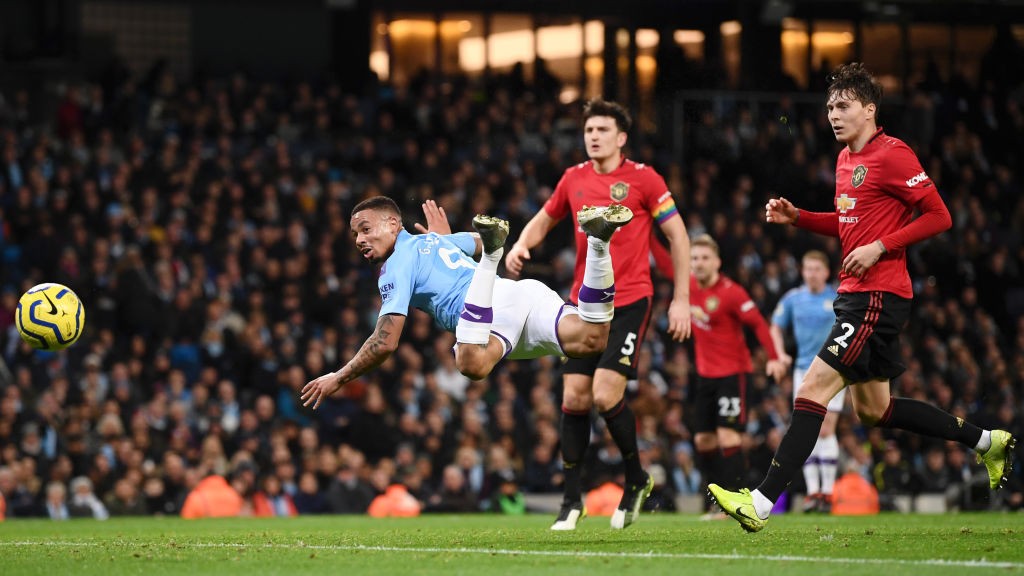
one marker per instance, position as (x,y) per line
(526,315)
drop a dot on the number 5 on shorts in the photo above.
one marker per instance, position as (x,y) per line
(629,346)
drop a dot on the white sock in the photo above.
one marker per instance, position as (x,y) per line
(597,294)
(474,325)
(985,442)
(811,468)
(828,461)
(762,505)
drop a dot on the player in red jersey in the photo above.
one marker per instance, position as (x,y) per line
(720,308)
(879,183)
(610,178)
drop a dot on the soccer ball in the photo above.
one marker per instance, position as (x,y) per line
(50,317)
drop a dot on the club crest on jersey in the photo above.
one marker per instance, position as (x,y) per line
(711,304)
(858,175)
(844,203)
(619,191)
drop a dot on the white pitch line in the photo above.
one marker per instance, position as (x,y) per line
(981,563)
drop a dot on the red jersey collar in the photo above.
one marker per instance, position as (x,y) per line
(874,137)
(622,162)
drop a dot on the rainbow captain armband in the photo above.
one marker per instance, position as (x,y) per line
(665,209)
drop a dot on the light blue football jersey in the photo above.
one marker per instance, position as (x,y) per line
(811,316)
(429,272)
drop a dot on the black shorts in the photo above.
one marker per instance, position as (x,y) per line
(629,325)
(865,340)
(721,403)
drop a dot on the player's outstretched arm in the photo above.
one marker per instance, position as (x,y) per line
(776,369)
(532,235)
(377,348)
(779,340)
(780,211)
(437,220)
(679,307)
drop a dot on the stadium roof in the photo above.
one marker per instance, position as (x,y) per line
(695,12)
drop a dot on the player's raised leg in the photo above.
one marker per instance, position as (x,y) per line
(597,294)
(751,508)
(477,351)
(587,333)
(875,406)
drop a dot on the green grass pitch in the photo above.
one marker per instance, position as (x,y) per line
(886,545)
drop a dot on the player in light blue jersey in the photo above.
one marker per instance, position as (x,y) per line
(492,318)
(807,310)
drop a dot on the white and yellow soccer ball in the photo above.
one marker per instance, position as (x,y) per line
(50,316)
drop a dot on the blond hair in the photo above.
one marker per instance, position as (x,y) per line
(707,241)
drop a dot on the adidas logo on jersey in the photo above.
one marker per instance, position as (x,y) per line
(834,349)
(625,361)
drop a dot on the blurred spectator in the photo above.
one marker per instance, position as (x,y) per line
(395,502)
(309,499)
(212,497)
(603,500)
(685,476)
(270,500)
(893,476)
(125,500)
(84,503)
(454,494)
(56,501)
(348,493)
(508,499)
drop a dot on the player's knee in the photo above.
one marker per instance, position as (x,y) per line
(592,340)
(474,372)
(472,366)
(605,400)
(577,401)
(869,415)
(704,441)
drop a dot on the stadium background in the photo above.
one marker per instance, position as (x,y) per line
(188,167)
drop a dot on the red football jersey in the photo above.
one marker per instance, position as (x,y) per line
(876,191)
(718,314)
(642,190)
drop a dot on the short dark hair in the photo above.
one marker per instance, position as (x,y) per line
(600,107)
(854,80)
(379,203)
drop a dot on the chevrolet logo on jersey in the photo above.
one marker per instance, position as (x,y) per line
(700,318)
(619,191)
(858,175)
(844,203)
(699,313)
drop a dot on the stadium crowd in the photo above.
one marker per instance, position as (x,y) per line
(205,226)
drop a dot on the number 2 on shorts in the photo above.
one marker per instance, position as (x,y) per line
(848,329)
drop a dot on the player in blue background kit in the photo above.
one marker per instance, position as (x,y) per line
(807,310)
(492,317)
